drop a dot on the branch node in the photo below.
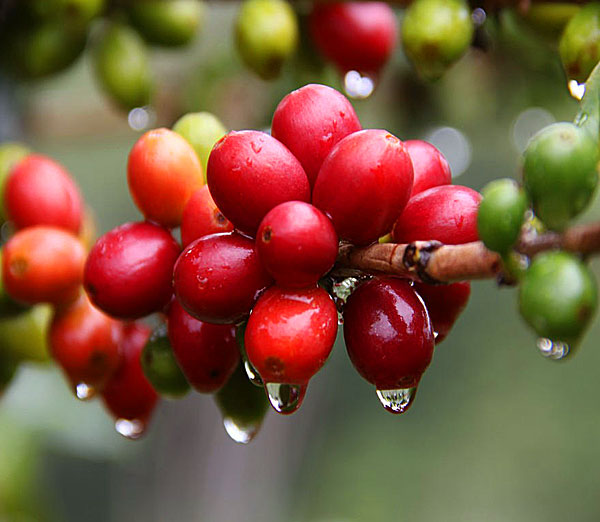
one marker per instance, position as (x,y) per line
(416,258)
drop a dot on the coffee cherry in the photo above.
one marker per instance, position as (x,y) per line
(266,35)
(202,130)
(249,173)
(580,42)
(9,367)
(364,184)
(39,191)
(129,270)
(548,19)
(10,154)
(128,395)
(206,353)
(85,344)
(69,11)
(170,23)
(560,172)
(447,213)
(163,172)
(122,67)
(389,339)
(290,334)
(43,265)
(310,121)
(242,405)
(218,278)
(297,244)
(558,296)
(429,166)
(358,36)
(435,34)
(25,336)
(201,217)
(160,366)
(444,304)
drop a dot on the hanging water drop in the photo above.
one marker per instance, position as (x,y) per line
(341,290)
(131,429)
(358,86)
(84,392)
(576,89)
(285,398)
(553,350)
(252,374)
(397,401)
(340,318)
(240,433)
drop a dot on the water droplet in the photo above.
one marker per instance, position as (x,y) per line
(576,89)
(340,318)
(357,86)
(342,289)
(130,429)
(241,433)
(478,16)
(554,350)
(397,401)
(84,392)
(285,398)
(581,118)
(141,118)
(252,374)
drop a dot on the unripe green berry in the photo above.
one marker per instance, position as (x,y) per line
(560,172)
(69,10)
(435,34)
(501,214)
(549,19)
(580,42)
(266,33)
(10,154)
(558,296)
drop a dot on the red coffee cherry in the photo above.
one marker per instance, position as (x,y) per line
(43,264)
(206,353)
(201,217)
(39,191)
(85,343)
(290,334)
(447,214)
(310,121)
(444,303)
(163,172)
(129,270)
(218,278)
(357,36)
(297,244)
(128,395)
(249,173)
(364,184)
(429,165)
(389,338)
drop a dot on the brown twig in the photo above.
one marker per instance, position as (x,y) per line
(432,262)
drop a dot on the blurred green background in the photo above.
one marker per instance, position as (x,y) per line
(496,433)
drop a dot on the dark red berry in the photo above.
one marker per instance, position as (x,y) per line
(364,184)
(129,270)
(429,165)
(297,244)
(206,353)
(447,214)
(201,217)
(290,334)
(310,121)
(39,191)
(444,303)
(249,173)
(218,278)
(388,333)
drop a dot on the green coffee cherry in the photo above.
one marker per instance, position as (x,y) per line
(83,11)
(550,19)
(24,336)
(558,296)
(501,214)
(8,369)
(10,154)
(580,43)
(161,368)
(266,34)
(202,130)
(167,22)
(435,34)
(242,405)
(123,68)
(560,172)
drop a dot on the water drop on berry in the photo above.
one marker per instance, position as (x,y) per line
(130,429)
(397,401)
(84,392)
(285,398)
(553,350)
(252,374)
(240,433)
(357,86)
